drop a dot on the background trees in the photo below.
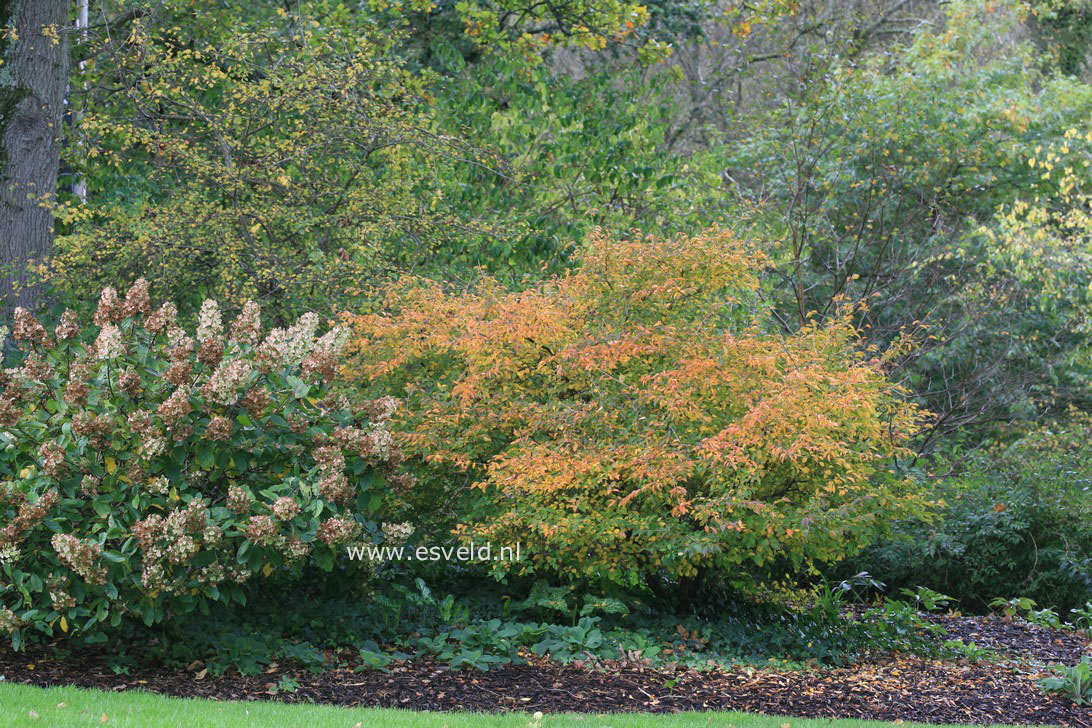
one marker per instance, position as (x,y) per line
(284,161)
(882,181)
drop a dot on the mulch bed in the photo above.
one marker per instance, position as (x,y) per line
(1016,638)
(886,688)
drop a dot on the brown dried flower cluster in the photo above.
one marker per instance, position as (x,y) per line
(219,428)
(238,500)
(28,516)
(28,329)
(80,556)
(338,530)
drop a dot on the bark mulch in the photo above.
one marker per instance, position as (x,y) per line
(1016,638)
(890,688)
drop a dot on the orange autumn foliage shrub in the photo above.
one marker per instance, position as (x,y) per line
(639,415)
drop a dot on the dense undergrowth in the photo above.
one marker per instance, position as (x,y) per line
(409,622)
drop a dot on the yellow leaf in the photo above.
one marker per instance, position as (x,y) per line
(267,570)
(64,625)
(111,465)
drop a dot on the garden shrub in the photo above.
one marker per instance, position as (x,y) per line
(149,471)
(638,415)
(1015,522)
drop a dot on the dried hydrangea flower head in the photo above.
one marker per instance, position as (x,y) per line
(89,486)
(159,486)
(110,309)
(52,455)
(78,387)
(238,500)
(164,319)
(272,352)
(137,300)
(255,401)
(180,346)
(68,326)
(153,446)
(27,328)
(262,530)
(301,338)
(338,530)
(285,508)
(211,351)
(380,410)
(8,621)
(397,533)
(10,412)
(402,483)
(109,344)
(209,323)
(225,383)
(80,556)
(219,428)
(129,383)
(326,354)
(139,422)
(9,555)
(179,373)
(247,326)
(28,516)
(35,368)
(175,407)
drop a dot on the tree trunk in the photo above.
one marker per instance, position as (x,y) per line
(33,77)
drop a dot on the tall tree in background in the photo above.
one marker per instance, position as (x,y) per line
(33,77)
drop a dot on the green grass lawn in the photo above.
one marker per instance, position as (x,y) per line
(22,706)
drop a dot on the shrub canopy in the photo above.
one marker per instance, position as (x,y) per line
(146,470)
(637,414)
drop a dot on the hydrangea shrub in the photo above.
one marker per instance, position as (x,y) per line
(146,470)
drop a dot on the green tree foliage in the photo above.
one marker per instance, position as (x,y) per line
(285,161)
(877,180)
(579,153)
(525,26)
(1064,28)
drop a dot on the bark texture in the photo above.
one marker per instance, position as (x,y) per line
(33,78)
